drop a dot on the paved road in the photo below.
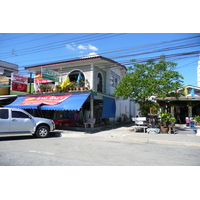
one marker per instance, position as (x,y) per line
(116,147)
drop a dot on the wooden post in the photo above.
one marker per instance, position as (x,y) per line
(190,111)
(172,111)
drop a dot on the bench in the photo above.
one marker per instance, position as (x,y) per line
(139,127)
(154,130)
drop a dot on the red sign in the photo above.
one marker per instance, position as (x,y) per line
(19,87)
(19,82)
(49,100)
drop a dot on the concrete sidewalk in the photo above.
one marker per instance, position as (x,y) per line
(184,136)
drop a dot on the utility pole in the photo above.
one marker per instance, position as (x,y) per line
(30,82)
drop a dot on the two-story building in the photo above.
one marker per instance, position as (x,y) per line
(83,88)
(6,69)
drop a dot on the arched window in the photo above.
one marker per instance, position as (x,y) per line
(76,76)
(99,83)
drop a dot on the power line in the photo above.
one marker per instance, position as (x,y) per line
(42,38)
(27,34)
(156,48)
(52,46)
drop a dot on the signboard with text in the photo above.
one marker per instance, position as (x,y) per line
(49,100)
(38,79)
(50,74)
(19,82)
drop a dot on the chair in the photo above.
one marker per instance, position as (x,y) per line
(140,123)
(91,122)
(140,120)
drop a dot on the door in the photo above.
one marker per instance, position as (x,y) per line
(4,122)
(21,122)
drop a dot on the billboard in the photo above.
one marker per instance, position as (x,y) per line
(49,100)
(19,82)
(50,74)
(38,79)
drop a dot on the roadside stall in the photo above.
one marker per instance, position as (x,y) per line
(66,109)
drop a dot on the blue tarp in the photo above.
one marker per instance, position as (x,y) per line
(74,102)
(16,104)
(109,107)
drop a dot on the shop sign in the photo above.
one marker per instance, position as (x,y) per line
(19,82)
(50,74)
(38,79)
(94,93)
(49,100)
(17,78)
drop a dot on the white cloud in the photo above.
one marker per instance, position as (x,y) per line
(93,48)
(93,54)
(87,47)
(82,47)
(71,46)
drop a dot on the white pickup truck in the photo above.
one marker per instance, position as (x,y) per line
(19,121)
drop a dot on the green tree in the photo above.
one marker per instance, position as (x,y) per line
(143,81)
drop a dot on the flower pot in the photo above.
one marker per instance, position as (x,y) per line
(163,130)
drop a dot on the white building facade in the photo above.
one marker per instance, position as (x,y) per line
(101,75)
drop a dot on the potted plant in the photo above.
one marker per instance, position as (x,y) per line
(172,120)
(165,116)
(197,119)
(43,88)
(71,86)
(58,88)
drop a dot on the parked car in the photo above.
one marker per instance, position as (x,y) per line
(19,121)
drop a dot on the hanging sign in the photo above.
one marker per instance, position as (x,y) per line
(38,79)
(19,82)
(49,100)
(50,74)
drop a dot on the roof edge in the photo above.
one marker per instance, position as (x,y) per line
(75,60)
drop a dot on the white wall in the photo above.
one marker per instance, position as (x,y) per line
(127,107)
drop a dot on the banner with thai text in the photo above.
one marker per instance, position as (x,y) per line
(49,100)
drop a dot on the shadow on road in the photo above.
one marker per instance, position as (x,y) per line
(27,137)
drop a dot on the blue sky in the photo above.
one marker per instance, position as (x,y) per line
(26,49)
(76,16)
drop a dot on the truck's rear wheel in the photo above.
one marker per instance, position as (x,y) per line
(42,131)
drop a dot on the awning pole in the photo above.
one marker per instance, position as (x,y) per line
(91,106)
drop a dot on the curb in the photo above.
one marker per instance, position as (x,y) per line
(189,144)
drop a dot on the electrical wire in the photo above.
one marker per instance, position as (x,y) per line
(27,34)
(52,46)
(173,45)
(150,45)
(30,41)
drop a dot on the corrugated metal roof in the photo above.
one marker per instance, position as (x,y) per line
(75,60)
(183,98)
